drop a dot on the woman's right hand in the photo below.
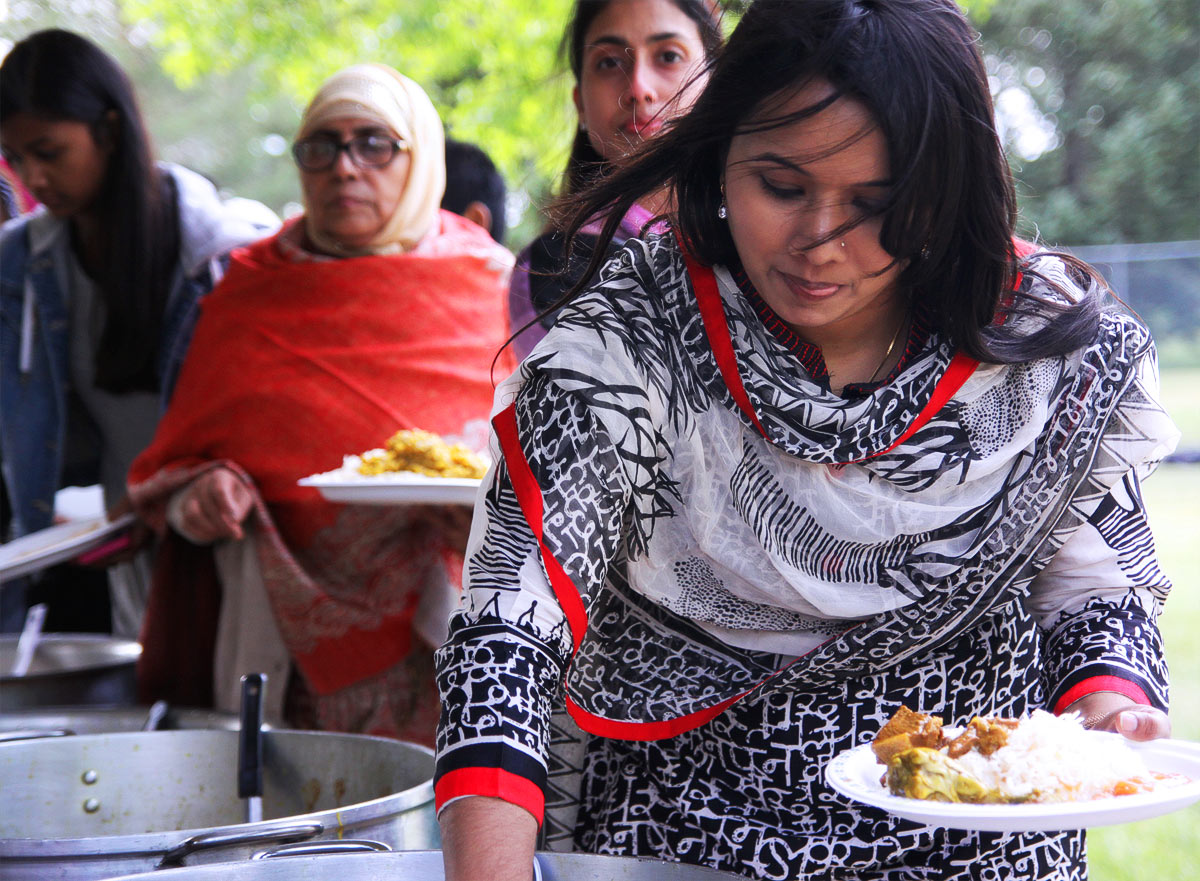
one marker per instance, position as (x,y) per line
(214,506)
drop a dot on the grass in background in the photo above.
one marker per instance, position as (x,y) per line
(1181,397)
(1168,847)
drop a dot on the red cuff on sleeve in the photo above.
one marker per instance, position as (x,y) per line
(1100,683)
(495,782)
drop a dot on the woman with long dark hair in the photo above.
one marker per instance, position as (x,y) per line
(100,287)
(833,443)
(637,64)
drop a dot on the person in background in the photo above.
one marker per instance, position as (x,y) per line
(372,312)
(474,187)
(637,64)
(833,443)
(14,201)
(99,289)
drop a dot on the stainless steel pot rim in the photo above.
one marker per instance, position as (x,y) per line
(155,843)
(123,651)
(338,865)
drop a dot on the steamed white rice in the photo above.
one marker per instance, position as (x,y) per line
(349,472)
(1054,759)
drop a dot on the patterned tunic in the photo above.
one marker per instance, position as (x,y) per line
(729,575)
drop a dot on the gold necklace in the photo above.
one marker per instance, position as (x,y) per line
(891,345)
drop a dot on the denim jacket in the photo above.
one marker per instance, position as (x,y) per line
(34,346)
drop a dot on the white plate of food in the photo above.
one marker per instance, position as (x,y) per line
(57,544)
(1174,765)
(396,489)
(415,468)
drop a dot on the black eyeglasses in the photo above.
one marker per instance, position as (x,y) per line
(366,151)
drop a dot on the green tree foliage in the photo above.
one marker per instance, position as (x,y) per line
(1119,81)
(488,65)
(238,73)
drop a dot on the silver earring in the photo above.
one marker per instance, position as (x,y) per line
(843,243)
(722,212)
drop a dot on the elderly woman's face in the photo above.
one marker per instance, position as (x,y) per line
(347,203)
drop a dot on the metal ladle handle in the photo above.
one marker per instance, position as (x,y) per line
(250,746)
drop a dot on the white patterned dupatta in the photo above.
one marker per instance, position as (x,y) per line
(769,517)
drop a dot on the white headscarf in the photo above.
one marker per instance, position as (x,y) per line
(379,93)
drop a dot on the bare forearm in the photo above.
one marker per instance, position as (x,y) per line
(487,838)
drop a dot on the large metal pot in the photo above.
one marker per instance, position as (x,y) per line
(61,721)
(427,866)
(71,669)
(102,805)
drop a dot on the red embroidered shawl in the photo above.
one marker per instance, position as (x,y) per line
(293,365)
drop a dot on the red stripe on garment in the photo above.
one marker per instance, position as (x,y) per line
(617,730)
(1100,683)
(529,496)
(716,328)
(494,782)
(958,371)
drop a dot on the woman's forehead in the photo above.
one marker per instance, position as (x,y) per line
(797,122)
(352,125)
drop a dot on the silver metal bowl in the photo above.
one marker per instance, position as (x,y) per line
(427,866)
(97,806)
(71,669)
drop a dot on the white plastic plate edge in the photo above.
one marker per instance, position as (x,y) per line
(417,490)
(855,774)
(56,544)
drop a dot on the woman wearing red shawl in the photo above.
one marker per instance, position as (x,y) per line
(373,312)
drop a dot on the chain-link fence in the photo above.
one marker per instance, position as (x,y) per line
(1161,282)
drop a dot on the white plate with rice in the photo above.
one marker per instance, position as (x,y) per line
(857,775)
(348,486)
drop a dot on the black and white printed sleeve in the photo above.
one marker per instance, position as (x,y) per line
(1098,602)
(502,666)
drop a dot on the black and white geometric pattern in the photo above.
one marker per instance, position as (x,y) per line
(697,588)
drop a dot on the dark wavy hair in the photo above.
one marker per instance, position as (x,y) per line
(471,176)
(585,163)
(58,75)
(951,213)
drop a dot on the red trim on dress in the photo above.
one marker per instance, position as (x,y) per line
(494,782)
(712,313)
(958,371)
(529,496)
(617,730)
(1094,684)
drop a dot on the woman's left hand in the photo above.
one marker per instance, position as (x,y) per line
(1109,711)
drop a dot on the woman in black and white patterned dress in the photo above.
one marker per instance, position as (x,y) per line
(850,446)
